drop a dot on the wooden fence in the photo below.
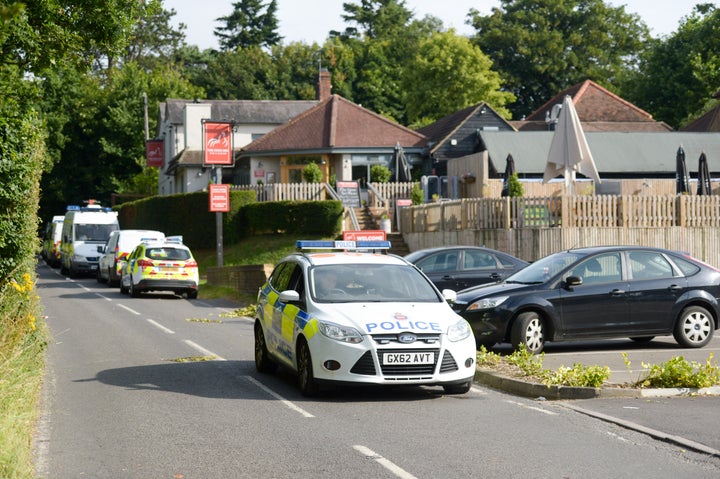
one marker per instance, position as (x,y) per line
(531,228)
(286,191)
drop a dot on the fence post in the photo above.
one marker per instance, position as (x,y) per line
(681,203)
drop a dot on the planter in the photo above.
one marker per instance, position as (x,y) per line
(385,225)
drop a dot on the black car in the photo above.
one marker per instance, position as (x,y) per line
(460,267)
(597,293)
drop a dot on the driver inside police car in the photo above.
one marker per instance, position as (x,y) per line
(326,280)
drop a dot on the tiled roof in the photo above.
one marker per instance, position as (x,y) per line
(336,123)
(445,127)
(709,122)
(595,104)
(274,112)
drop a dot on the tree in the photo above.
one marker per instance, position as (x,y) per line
(679,74)
(248,26)
(541,47)
(447,74)
(380,174)
(383,38)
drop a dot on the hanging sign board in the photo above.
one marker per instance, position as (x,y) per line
(349,193)
(154,153)
(219,197)
(217,143)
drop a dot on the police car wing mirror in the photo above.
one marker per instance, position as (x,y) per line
(449,295)
(101,249)
(289,296)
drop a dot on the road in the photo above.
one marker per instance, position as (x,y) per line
(128,395)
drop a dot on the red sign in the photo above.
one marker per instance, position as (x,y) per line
(219,197)
(217,143)
(154,153)
(403,202)
(364,235)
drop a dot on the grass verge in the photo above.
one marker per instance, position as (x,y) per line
(23,341)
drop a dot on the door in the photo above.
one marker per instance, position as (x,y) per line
(599,306)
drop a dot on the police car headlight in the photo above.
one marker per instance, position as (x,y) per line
(459,331)
(487,303)
(340,333)
(78,258)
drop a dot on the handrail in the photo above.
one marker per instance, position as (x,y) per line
(377,194)
(353,218)
(332,191)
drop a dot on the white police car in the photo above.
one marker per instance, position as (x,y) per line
(355,316)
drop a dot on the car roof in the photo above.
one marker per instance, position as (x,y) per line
(601,249)
(327,257)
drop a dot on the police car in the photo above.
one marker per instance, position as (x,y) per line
(339,312)
(160,266)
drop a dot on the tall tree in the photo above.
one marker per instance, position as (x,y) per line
(383,37)
(251,24)
(681,72)
(447,74)
(541,47)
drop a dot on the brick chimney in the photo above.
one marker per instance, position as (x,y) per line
(323,87)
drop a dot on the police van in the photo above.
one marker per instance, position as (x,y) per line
(84,229)
(51,241)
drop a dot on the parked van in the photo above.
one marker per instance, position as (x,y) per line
(51,241)
(84,229)
(114,253)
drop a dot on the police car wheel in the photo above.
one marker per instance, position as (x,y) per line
(263,363)
(306,379)
(123,289)
(192,294)
(457,388)
(134,292)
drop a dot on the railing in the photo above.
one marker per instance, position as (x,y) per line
(286,191)
(570,211)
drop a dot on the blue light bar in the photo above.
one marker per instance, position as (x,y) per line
(341,245)
(73,208)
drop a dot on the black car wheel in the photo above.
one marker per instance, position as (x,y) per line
(134,292)
(263,363)
(694,328)
(306,379)
(528,329)
(192,294)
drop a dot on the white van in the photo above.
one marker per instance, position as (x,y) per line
(51,241)
(84,229)
(118,247)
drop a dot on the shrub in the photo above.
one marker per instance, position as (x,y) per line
(380,174)
(678,372)
(312,173)
(416,195)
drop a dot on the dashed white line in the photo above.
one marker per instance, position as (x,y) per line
(104,297)
(286,402)
(160,326)
(129,309)
(200,349)
(389,465)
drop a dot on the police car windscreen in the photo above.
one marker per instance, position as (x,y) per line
(371,283)
(93,232)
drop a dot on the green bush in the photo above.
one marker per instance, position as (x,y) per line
(514,186)
(678,372)
(416,195)
(186,214)
(312,173)
(380,174)
(298,217)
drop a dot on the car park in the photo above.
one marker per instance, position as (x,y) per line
(118,247)
(160,266)
(460,267)
(340,313)
(597,293)
(51,241)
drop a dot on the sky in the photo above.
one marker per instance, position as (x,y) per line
(310,21)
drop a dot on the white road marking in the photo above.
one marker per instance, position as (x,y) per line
(389,465)
(129,309)
(159,326)
(533,408)
(104,297)
(286,402)
(206,352)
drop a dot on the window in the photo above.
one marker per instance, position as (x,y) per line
(439,262)
(599,269)
(649,265)
(479,260)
